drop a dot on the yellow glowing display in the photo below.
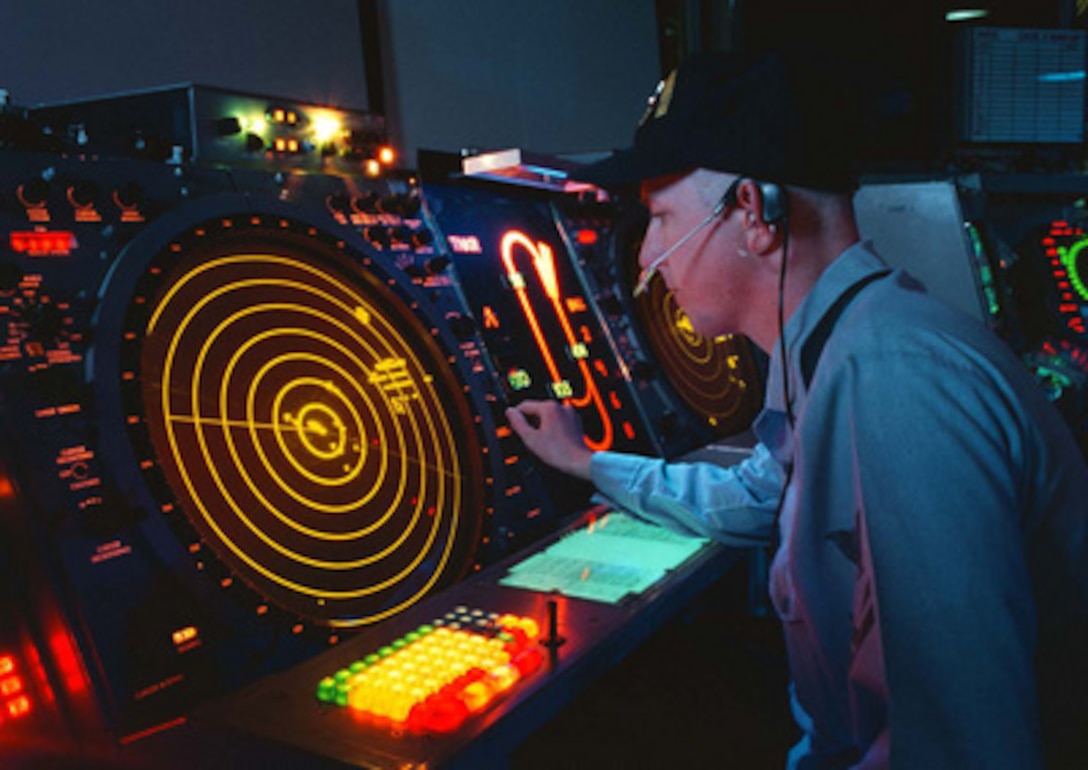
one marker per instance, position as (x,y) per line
(309,439)
(706,372)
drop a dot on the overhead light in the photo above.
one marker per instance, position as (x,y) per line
(326,127)
(966,14)
(1072,76)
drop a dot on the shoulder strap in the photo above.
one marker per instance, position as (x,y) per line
(814,346)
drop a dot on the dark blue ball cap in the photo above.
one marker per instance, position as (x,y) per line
(769,117)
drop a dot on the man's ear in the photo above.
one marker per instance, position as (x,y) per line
(762,238)
(764,216)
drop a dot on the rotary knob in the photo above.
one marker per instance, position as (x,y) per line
(339,203)
(422,237)
(34,193)
(377,235)
(462,326)
(436,265)
(84,194)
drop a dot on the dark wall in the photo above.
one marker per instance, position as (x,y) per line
(63,49)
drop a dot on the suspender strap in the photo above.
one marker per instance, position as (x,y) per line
(814,346)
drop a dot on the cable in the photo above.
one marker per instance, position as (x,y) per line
(781,322)
(776,523)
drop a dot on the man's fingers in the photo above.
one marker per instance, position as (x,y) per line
(517,420)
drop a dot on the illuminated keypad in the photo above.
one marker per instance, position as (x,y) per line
(433,678)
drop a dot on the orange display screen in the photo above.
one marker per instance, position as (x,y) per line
(537,321)
(307,428)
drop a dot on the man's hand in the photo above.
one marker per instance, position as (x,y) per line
(553,432)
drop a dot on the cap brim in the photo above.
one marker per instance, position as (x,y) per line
(627,167)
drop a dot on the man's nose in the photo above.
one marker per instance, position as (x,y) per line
(647,251)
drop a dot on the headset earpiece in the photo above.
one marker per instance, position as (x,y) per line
(774,202)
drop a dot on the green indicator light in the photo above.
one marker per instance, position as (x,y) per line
(426,628)
(357,666)
(562,389)
(399,644)
(519,379)
(1057,378)
(1068,257)
(985,274)
(371,659)
(412,636)
(326,690)
(342,676)
(385,652)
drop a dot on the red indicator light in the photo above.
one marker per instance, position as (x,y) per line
(528,660)
(18,707)
(586,237)
(42,243)
(12,689)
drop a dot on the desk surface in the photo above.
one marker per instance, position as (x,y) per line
(283,708)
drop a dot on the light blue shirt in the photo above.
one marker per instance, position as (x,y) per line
(934,528)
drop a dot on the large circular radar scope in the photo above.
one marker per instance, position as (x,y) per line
(717,378)
(308,428)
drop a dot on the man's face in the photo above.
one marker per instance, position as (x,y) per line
(709,277)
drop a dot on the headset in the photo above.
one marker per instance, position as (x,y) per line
(775,202)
